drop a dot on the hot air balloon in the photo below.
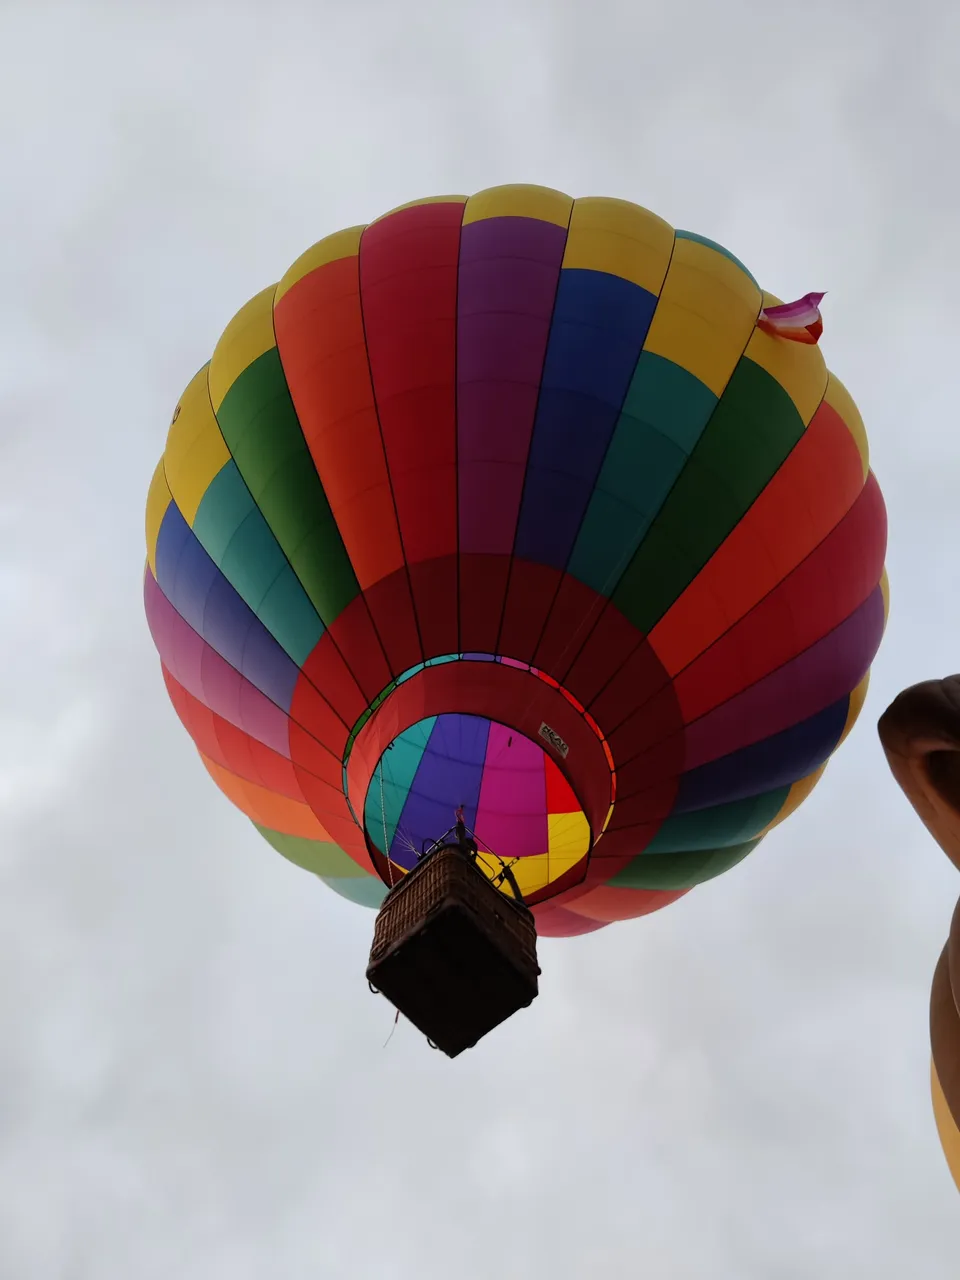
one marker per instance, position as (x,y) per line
(523,526)
(920,734)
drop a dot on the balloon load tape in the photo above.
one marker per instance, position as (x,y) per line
(454,954)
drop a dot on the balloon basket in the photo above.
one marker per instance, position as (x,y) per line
(454,954)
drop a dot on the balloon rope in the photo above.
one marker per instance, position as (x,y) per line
(386,844)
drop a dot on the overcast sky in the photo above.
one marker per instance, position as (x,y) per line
(193,1083)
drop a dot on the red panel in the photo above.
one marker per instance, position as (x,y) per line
(815,487)
(235,751)
(320,337)
(560,796)
(608,647)
(435,591)
(332,678)
(195,716)
(658,723)
(637,681)
(608,903)
(318,760)
(646,808)
(256,762)
(331,810)
(408,278)
(620,845)
(314,713)
(483,590)
(391,607)
(823,591)
(556,922)
(575,611)
(659,768)
(530,596)
(359,645)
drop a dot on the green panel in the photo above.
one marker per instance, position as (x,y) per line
(260,426)
(712,244)
(322,858)
(680,870)
(664,415)
(720,827)
(400,762)
(752,431)
(235,535)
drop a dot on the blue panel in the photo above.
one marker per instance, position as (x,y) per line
(202,596)
(449,775)
(777,761)
(598,330)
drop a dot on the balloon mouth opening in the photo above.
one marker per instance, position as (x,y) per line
(497,738)
(514,799)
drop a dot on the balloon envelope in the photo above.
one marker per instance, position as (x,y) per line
(508,503)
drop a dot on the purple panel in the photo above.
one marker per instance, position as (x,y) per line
(208,677)
(512,817)
(773,762)
(448,776)
(509,270)
(815,679)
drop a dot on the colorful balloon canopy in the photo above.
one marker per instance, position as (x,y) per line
(522,504)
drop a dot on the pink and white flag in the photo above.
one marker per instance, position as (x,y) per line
(798,321)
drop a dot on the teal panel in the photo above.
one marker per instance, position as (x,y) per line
(222,510)
(366,892)
(665,412)
(720,827)
(400,764)
(235,535)
(680,870)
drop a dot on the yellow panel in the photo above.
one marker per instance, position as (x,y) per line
(840,399)
(196,450)
(946,1126)
(707,311)
(885,592)
(414,204)
(158,499)
(857,699)
(342,244)
(519,201)
(568,836)
(798,366)
(620,238)
(248,335)
(531,873)
(796,796)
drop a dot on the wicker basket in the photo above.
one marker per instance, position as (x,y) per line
(452,953)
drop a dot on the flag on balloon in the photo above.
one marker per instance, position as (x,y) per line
(798,321)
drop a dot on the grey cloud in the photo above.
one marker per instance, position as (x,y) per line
(192,1073)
